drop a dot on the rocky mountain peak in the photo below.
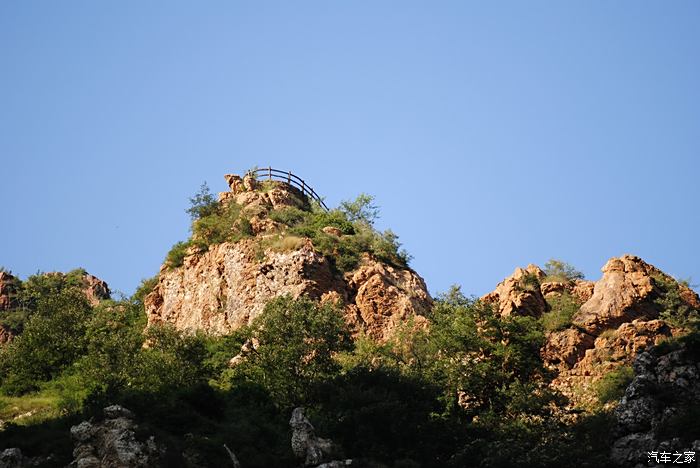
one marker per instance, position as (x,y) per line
(594,328)
(281,245)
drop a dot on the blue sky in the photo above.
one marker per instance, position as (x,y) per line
(492,134)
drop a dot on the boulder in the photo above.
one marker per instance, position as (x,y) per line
(6,334)
(566,347)
(519,294)
(624,293)
(665,384)
(307,446)
(112,442)
(9,287)
(383,297)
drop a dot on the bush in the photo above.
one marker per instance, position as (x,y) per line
(177,254)
(298,340)
(562,309)
(362,209)
(557,270)
(673,309)
(53,338)
(202,204)
(144,289)
(612,386)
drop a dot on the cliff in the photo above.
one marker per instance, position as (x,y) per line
(596,327)
(223,286)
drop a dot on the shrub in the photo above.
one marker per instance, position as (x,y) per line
(202,203)
(53,338)
(612,386)
(145,288)
(557,270)
(673,309)
(562,309)
(177,254)
(362,209)
(298,340)
(529,282)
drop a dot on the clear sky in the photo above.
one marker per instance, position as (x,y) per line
(492,134)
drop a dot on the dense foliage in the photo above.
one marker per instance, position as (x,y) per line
(469,391)
(214,223)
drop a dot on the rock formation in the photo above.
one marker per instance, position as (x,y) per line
(315,451)
(624,293)
(9,287)
(618,317)
(14,458)
(665,386)
(519,293)
(112,443)
(6,334)
(228,285)
(94,288)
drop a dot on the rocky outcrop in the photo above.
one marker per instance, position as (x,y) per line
(95,289)
(9,287)
(519,294)
(626,292)
(383,297)
(112,443)
(618,318)
(566,347)
(307,446)
(229,285)
(14,458)
(665,386)
(6,334)
(582,290)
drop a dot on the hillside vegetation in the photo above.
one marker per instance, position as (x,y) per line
(464,387)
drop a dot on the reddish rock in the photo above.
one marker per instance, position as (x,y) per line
(624,293)
(6,335)
(565,348)
(520,293)
(229,285)
(95,289)
(383,297)
(9,287)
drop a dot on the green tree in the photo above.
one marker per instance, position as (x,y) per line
(362,209)
(297,340)
(203,203)
(53,338)
(558,270)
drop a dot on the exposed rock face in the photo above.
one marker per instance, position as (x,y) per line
(6,334)
(314,450)
(566,347)
(382,297)
(520,293)
(582,290)
(14,458)
(645,414)
(95,289)
(228,286)
(626,292)
(112,443)
(9,286)
(618,318)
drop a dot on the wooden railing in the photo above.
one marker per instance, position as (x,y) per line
(291,179)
